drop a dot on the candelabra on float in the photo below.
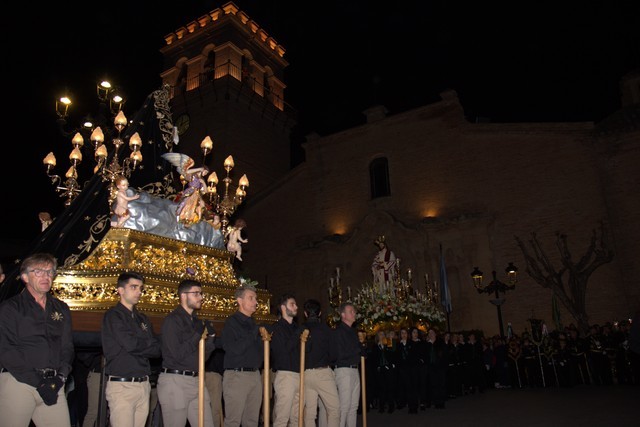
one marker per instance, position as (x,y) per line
(70,187)
(224,204)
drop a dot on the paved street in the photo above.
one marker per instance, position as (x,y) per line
(592,406)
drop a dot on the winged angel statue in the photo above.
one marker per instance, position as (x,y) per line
(191,205)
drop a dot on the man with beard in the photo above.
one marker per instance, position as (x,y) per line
(178,380)
(285,357)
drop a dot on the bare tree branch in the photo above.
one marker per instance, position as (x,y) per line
(571,294)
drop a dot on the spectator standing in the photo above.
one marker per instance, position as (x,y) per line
(634,348)
(382,360)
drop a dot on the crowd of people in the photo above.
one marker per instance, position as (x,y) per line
(412,369)
(153,380)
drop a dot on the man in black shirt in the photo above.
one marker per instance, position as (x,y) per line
(242,382)
(36,349)
(285,357)
(319,381)
(349,350)
(128,342)
(178,381)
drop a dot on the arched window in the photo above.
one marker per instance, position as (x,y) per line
(379,174)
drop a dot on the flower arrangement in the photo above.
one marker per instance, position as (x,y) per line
(247,282)
(391,308)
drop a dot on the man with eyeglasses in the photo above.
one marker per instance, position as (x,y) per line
(128,343)
(178,380)
(36,349)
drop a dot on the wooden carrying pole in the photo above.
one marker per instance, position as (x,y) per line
(363,386)
(266,416)
(303,340)
(201,375)
(362,338)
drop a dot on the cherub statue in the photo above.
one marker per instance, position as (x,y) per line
(215,222)
(191,206)
(121,204)
(235,238)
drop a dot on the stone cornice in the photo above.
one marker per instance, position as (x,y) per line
(229,11)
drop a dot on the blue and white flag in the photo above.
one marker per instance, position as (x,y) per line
(445,295)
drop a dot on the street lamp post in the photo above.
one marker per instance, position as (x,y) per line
(497,287)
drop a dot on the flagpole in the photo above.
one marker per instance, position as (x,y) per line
(448,323)
(445,293)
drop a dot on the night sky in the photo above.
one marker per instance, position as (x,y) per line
(508,61)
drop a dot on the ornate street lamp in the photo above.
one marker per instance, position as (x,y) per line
(496,287)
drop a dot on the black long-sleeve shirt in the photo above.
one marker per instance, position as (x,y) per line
(319,348)
(180,341)
(128,342)
(285,346)
(242,342)
(35,338)
(348,346)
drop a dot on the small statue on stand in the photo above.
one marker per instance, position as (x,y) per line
(383,266)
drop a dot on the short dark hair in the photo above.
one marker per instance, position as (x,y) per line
(312,307)
(37,259)
(344,305)
(284,298)
(124,278)
(187,284)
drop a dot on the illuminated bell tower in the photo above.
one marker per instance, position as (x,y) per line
(226,74)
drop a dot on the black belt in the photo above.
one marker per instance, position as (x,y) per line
(47,372)
(129,379)
(319,367)
(242,369)
(178,372)
(347,366)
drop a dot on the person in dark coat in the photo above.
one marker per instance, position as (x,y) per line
(437,362)
(384,363)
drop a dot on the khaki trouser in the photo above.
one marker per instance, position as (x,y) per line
(93,398)
(242,393)
(178,397)
(320,387)
(128,403)
(286,388)
(20,403)
(213,383)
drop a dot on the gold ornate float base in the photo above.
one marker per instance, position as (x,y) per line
(89,287)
